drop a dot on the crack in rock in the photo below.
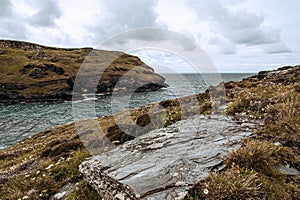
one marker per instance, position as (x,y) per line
(165,163)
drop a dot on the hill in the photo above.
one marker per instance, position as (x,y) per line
(31,72)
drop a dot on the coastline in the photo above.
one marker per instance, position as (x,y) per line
(49,147)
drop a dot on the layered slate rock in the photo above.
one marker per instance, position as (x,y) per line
(165,163)
(31,72)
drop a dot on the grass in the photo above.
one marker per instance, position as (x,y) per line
(254,101)
(255,155)
(27,161)
(46,180)
(251,171)
(250,174)
(83,191)
(234,184)
(283,121)
(29,66)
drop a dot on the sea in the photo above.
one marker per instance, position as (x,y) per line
(22,120)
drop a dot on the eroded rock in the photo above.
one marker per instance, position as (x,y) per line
(165,163)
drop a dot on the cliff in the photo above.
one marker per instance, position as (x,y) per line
(31,72)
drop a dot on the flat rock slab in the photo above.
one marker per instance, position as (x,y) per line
(165,163)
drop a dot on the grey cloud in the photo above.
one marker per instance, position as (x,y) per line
(249,36)
(150,38)
(240,28)
(11,30)
(240,20)
(12,25)
(228,49)
(17,25)
(225,46)
(48,11)
(118,16)
(6,8)
(277,48)
(131,13)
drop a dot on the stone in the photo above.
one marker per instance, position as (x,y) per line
(64,191)
(165,163)
(37,73)
(288,170)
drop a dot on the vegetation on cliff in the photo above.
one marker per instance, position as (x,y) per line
(260,168)
(31,72)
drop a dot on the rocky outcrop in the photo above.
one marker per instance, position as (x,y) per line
(31,72)
(283,75)
(165,163)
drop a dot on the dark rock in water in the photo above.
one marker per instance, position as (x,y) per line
(165,163)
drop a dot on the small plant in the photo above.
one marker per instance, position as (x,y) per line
(256,155)
(283,120)
(254,101)
(241,183)
(45,181)
(236,183)
(84,191)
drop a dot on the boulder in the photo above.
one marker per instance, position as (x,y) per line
(165,163)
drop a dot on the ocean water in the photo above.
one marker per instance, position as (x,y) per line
(20,121)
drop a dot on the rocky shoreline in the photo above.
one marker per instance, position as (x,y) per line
(45,166)
(35,73)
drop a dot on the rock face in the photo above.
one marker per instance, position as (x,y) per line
(31,72)
(165,163)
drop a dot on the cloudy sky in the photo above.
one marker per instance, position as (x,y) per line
(237,35)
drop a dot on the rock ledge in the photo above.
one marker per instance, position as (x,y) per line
(165,163)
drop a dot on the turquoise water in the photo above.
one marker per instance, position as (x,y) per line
(19,121)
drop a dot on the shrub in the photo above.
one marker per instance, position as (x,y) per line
(235,183)
(84,191)
(256,155)
(283,120)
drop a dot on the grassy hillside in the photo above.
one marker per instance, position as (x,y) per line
(31,72)
(264,167)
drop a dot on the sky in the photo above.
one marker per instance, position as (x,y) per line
(235,35)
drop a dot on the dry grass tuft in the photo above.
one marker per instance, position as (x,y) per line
(84,191)
(239,183)
(256,155)
(254,101)
(283,120)
(235,183)
(45,181)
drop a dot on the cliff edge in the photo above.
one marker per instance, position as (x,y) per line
(31,72)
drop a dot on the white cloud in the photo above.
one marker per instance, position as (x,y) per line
(235,32)
(6,8)
(241,27)
(277,48)
(47,12)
